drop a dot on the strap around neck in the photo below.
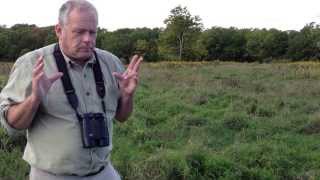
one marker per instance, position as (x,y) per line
(67,84)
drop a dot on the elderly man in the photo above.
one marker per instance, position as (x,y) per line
(65,96)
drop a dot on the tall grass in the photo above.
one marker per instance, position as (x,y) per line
(215,121)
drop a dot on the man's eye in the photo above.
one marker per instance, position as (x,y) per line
(78,32)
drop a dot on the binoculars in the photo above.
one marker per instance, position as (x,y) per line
(94,130)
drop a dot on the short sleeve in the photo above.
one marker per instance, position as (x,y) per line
(119,67)
(17,89)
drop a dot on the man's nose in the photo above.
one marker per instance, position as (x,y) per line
(87,37)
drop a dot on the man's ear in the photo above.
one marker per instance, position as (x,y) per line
(58,30)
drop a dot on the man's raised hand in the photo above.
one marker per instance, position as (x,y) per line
(129,79)
(41,83)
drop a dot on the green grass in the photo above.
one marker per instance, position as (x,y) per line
(214,121)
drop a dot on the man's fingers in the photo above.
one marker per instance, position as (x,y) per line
(39,60)
(132,75)
(39,65)
(118,76)
(133,61)
(37,78)
(55,77)
(38,68)
(137,64)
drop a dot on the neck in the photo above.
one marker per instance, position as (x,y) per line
(81,62)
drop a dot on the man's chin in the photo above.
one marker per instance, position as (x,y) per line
(85,54)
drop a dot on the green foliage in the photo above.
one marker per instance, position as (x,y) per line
(304,44)
(223,43)
(126,42)
(183,38)
(10,157)
(11,165)
(22,38)
(9,144)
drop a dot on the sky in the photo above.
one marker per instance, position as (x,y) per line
(116,14)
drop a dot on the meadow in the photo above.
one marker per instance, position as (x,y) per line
(212,120)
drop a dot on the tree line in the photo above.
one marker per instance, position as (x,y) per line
(183,38)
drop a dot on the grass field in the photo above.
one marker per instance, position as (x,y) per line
(213,121)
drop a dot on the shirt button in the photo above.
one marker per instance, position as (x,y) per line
(84,75)
(87,93)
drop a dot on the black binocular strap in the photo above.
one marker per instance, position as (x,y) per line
(67,84)
(99,81)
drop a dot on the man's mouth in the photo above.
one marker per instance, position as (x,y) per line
(86,49)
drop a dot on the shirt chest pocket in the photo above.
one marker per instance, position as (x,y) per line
(94,102)
(56,102)
(111,97)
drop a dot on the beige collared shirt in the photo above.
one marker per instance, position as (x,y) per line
(54,140)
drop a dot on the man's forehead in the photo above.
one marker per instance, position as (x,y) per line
(84,12)
(83,20)
(82,27)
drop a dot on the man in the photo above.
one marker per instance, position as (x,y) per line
(37,99)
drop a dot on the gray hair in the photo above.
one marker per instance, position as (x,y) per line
(70,5)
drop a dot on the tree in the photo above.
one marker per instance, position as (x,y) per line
(182,29)
(146,42)
(4,43)
(224,43)
(275,44)
(120,43)
(126,42)
(304,44)
(254,44)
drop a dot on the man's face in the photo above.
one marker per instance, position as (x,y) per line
(78,35)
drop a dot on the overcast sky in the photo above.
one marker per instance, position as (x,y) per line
(115,14)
